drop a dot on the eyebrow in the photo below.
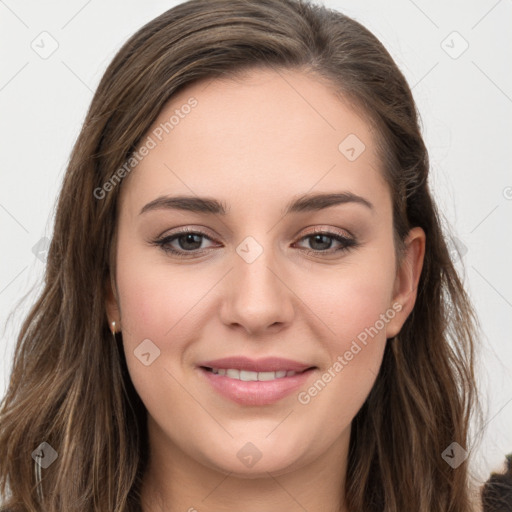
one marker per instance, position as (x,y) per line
(304,203)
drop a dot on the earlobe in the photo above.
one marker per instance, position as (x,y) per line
(407,279)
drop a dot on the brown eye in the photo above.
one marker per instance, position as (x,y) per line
(322,242)
(188,243)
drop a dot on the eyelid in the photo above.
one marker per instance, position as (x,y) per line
(190,228)
(186,231)
(330,230)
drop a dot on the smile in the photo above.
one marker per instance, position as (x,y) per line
(247,376)
(251,388)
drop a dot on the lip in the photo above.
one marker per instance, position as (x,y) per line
(256,393)
(267,364)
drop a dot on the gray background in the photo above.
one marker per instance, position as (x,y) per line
(464,96)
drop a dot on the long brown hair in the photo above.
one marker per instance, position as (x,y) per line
(69,385)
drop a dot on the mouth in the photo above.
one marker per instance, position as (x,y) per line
(251,376)
(255,382)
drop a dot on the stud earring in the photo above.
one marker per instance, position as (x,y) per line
(114,330)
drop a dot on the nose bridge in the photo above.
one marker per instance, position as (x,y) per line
(252,269)
(257,297)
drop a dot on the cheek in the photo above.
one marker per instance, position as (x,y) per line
(164,305)
(353,298)
(156,305)
(155,298)
(147,306)
(355,307)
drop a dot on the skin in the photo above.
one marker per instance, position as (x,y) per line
(255,143)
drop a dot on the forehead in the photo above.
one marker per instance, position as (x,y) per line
(259,136)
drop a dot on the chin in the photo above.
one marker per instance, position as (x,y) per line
(249,461)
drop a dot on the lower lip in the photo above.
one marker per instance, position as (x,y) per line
(256,392)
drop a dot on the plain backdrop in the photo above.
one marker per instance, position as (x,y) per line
(457,59)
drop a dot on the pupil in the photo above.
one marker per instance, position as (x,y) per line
(189,238)
(318,238)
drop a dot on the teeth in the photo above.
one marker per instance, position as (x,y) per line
(234,374)
(246,376)
(267,375)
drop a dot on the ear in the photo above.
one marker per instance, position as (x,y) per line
(112,305)
(406,280)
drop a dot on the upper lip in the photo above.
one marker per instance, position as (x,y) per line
(266,364)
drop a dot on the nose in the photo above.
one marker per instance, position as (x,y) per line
(257,295)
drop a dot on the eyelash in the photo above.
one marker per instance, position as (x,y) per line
(164,243)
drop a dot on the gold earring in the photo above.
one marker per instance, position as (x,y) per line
(114,329)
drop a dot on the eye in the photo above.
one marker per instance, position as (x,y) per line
(322,241)
(188,241)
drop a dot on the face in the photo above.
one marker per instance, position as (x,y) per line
(311,288)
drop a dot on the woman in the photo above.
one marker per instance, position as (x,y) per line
(263,370)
